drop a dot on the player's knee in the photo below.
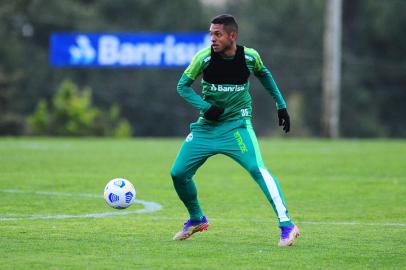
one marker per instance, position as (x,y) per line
(178,174)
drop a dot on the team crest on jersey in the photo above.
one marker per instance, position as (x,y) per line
(189,137)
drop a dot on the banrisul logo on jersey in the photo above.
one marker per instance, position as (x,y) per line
(226,88)
(137,50)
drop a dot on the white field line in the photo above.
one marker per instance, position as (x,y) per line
(356,223)
(149,207)
(266,221)
(153,207)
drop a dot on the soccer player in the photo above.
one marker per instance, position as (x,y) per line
(224,125)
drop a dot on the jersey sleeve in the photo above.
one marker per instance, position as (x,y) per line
(255,60)
(197,64)
(186,91)
(194,69)
(266,79)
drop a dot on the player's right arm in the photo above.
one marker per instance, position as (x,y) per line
(184,86)
(186,91)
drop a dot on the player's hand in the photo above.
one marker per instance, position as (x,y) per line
(213,113)
(284,119)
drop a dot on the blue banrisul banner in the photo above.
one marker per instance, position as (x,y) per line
(125,50)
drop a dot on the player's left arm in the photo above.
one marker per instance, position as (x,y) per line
(266,79)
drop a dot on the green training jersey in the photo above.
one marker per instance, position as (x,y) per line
(235,99)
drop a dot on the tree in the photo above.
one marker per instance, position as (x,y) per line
(287,34)
(73,114)
(39,121)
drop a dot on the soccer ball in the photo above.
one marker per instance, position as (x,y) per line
(119,193)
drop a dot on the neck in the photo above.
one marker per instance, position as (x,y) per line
(230,51)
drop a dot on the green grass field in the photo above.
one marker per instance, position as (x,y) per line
(348,198)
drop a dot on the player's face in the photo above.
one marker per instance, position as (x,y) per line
(221,41)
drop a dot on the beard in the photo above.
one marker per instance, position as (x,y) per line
(222,51)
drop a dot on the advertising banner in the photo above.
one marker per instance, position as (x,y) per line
(125,50)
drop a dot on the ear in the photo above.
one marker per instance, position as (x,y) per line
(233,35)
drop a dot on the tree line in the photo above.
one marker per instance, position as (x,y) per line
(287,34)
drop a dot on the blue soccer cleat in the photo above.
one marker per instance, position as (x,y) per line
(190,227)
(288,235)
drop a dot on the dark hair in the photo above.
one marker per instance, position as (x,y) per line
(230,25)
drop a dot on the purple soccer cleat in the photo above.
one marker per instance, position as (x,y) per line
(288,235)
(190,227)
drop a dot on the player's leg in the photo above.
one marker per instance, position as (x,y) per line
(245,150)
(193,153)
(191,156)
